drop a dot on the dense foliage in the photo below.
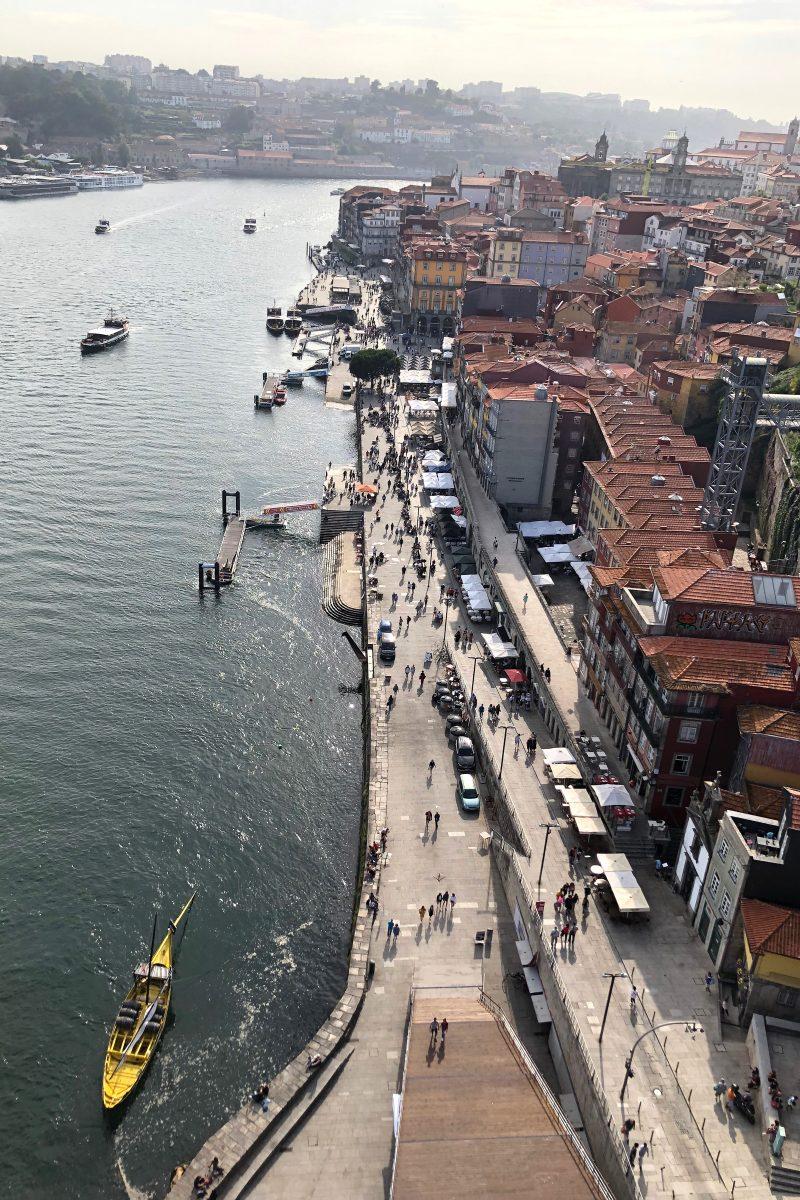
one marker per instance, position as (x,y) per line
(52,103)
(374,364)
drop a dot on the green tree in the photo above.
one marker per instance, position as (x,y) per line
(238,120)
(14,146)
(122,154)
(369,365)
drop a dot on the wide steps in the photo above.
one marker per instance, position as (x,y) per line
(339,520)
(784,1179)
(332,603)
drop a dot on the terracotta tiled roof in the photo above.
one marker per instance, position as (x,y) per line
(757,800)
(730,587)
(776,722)
(706,665)
(771,929)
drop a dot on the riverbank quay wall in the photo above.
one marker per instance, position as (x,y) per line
(247,1133)
(608,1151)
(218,165)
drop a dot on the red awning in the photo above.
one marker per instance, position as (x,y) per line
(514,676)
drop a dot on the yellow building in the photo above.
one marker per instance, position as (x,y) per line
(771,956)
(504,254)
(433,282)
(684,390)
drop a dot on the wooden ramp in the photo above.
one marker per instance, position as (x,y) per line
(474,1123)
(228,557)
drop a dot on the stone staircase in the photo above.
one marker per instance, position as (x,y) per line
(333,603)
(339,520)
(784,1180)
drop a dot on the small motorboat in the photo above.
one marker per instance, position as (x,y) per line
(275,321)
(103,226)
(279,394)
(114,329)
(337,191)
(141,1019)
(249,225)
(293,321)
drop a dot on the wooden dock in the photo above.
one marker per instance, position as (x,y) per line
(265,398)
(228,556)
(219,573)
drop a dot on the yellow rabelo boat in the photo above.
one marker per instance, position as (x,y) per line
(141,1019)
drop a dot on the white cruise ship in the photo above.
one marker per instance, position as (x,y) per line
(107,177)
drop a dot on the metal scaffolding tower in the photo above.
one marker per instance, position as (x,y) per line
(745,405)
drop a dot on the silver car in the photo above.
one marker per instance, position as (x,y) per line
(465,754)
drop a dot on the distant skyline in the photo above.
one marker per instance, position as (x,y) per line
(735,54)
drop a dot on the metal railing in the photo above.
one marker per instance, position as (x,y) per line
(529,1066)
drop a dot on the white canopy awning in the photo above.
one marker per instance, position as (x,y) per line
(556,554)
(475,592)
(420,408)
(581,569)
(543,581)
(626,891)
(432,460)
(461,522)
(564,772)
(541,529)
(613,795)
(580,545)
(444,502)
(434,481)
(497,648)
(557,754)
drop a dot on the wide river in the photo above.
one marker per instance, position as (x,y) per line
(153,742)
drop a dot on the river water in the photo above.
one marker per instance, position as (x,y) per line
(153,742)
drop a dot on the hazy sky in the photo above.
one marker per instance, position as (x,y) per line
(737,54)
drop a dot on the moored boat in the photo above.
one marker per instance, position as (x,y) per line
(279,394)
(103,226)
(338,191)
(275,322)
(249,225)
(141,1019)
(293,322)
(114,329)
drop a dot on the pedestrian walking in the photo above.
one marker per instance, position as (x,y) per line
(444,1027)
(634,998)
(643,1150)
(438,900)
(525,601)
(547,674)
(452,901)
(494,544)
(709,980)
(430,914)
(457,637)
(396,931)
(422,911)
(434,1031)
(436,819)
(389,927)
(719,1088)
(571,936)
(431,766)
(445,898)
(554,938)
(428,819)
(627,1126)
(481,710)
(517,744)
(632,1154)
(422,679)
(564,934)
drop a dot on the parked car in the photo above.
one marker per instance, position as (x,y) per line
(452,719)
(384,626)
(388,648)
(347,389)
(455,732)
(465,754)
(468,793)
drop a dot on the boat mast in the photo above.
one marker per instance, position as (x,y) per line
(150,959)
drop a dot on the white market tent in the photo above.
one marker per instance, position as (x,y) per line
(556,554)
(475,593)
(543,581)
(497,648)
(541,529)
(444,502)
(564,772)
(626,891)
(433,460)
(461,522)
(420,408)
(581,569)
(448,388)
(557,754)
(580,545)
(434,481)
(415,379)
(613,795)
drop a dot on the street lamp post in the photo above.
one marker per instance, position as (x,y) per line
(476,658)
(546,826)
(690,1027)
(447,603)
(611,976)
(505,729)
